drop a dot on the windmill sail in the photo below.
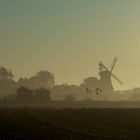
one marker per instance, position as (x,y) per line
(116,79)
(113,64)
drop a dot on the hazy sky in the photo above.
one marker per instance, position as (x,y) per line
(69,37)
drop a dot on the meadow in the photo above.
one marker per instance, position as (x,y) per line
(69,124)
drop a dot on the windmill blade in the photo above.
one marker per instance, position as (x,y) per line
(113,64)
(103,65)
(117,79)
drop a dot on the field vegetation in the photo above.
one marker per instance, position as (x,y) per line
(69,124)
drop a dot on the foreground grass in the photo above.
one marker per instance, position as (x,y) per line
(69,124)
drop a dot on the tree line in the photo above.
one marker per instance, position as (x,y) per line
(42,85)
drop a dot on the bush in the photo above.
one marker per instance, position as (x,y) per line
(24,94)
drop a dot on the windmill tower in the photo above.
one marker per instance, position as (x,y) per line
(105,74)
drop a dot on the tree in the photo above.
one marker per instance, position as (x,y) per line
(88,87)
(42,79)
(91,83)
(5,74)
(7,83)
(46,78)
(24,94)
(42,94)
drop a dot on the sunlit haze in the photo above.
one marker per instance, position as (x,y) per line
(69,37)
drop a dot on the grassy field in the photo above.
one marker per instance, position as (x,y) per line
(69,124)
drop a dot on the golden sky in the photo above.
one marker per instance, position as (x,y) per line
(69,37)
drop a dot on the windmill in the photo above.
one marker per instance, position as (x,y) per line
(105,74)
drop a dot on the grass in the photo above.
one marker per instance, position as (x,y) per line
(69,124)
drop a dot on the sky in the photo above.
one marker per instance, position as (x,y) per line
(69,37)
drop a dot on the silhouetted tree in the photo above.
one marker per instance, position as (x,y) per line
(5,74)
(7,87)
(7,84)
(91,83)
(43,79)
(46,78)
(24,94)
(42,94)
